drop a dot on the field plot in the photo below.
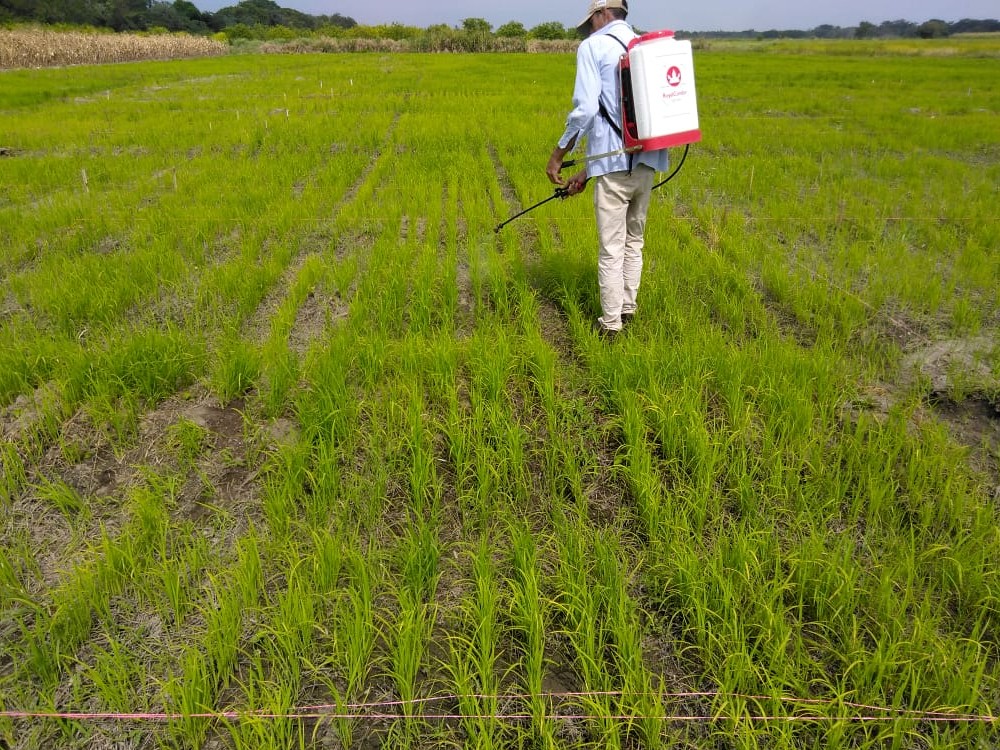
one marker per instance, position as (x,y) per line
(298,452)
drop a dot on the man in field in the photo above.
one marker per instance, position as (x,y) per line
(622,182)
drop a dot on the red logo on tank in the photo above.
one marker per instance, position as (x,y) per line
(674,76)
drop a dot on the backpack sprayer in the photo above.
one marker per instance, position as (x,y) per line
(658,103)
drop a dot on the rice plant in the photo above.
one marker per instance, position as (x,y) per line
(297,451)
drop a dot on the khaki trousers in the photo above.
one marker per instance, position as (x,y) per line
(621,202)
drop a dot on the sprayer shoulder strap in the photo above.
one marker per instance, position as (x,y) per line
(600,104)
(624,46)
(607,116)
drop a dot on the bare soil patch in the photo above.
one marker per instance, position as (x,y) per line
(963,392)
(465,308)
(957,384)
(222,478)
(24,415)
(258,326)
(314,316)
(506,184)
(952,364)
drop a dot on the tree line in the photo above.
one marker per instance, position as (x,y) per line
(179,15)
(265,19)
(899,29)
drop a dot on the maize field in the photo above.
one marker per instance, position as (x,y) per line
(36,47)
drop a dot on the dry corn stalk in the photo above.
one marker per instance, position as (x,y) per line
(33,47)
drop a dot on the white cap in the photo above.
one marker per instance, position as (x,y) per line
(598,5)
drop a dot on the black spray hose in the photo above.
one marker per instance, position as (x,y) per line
(676,169)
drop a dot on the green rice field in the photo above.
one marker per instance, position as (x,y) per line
(298,452)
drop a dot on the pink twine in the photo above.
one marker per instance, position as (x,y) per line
(375,711)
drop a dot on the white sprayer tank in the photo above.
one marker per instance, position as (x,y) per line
(662,92)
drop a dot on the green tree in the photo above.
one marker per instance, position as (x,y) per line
(899,27)
(827,31)
(865,30)
(971,25)
(181,15)
(265,13)
(396,31)
(548,30)
(55,11)
(125,15)
(239,31)
(512,29)
(933,29)
(476,26)
(343,22)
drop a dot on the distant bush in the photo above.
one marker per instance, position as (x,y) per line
(474,35)
(428,43)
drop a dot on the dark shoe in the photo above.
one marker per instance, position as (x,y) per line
(627,318)
(605,334)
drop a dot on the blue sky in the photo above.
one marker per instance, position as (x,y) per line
(694,15)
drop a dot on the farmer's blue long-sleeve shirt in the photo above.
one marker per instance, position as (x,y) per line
(597,80)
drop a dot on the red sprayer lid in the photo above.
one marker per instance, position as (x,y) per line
(666,33)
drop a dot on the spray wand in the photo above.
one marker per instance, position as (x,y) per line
(562,192)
